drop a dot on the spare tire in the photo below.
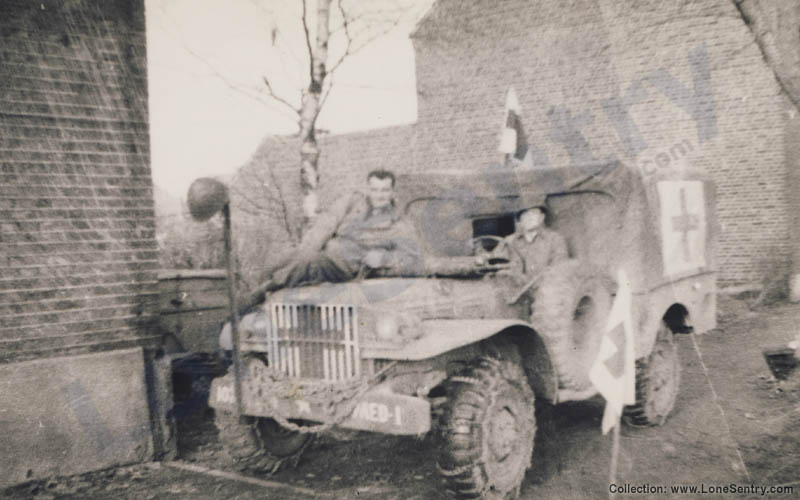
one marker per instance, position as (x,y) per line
(570,309)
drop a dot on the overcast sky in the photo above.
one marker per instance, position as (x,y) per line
(207,58)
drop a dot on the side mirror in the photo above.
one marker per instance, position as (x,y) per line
(206,197)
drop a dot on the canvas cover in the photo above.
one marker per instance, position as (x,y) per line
(658,227)
(500,188)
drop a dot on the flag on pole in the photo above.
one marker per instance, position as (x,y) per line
(512,136)
(613,372)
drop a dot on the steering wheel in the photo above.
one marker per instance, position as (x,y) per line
(502,244)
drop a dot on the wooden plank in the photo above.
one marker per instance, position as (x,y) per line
(244,479)
(179,274)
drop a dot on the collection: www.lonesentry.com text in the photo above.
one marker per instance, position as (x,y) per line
(698,489)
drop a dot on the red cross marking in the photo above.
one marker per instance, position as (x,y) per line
(684,223)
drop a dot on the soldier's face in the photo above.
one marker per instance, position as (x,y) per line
(380,192)
(531,220)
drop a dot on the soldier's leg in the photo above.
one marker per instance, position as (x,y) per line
(317,269)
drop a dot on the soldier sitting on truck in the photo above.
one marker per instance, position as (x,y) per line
(533,246)
(361,233)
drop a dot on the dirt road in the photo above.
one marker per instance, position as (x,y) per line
(733,425)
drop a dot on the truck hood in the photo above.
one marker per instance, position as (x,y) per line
(428,298)
(410,300)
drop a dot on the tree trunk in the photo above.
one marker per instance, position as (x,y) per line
(309,150)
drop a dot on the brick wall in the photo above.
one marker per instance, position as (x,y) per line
(77,250)
(651,83)
(568,62)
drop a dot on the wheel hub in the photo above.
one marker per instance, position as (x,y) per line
(503,434)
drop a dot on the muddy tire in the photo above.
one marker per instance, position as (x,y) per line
(488,430)
(570,309)
(238,439)
(259,444)
(657,382)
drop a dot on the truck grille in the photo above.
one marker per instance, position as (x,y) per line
(314,341)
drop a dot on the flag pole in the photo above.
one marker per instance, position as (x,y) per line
(612,473)
(617,389)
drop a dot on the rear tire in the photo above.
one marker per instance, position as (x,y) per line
(657,383)
(488,430)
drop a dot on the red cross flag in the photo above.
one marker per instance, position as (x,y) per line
(613,372)
(512,136)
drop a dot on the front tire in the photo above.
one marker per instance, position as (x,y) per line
(259,444)
(256,443)
(488,430)
(657,382)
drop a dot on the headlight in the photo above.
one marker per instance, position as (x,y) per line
(387,327)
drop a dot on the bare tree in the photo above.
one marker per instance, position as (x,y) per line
(332,31)
(307,44)
(309,41)
(268,220)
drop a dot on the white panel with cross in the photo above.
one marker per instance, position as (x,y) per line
(683,226)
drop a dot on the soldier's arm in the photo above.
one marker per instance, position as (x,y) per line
(405,255)
(506,249)
(327,223)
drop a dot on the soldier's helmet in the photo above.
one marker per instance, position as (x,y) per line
(206,197)
(528,202)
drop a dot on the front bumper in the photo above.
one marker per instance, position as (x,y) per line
(378,410)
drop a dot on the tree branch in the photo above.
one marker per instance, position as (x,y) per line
(245,196)
(349,22)
(276,204)
(345,24)
(351,49)
(326,92)
(278,98)
(282,203)
(235,86)
(308,41)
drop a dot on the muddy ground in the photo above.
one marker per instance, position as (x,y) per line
(733,424)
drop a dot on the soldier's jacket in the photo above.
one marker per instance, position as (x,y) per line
(546,248)
(352,227)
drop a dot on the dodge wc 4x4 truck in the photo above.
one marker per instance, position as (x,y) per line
(468,349)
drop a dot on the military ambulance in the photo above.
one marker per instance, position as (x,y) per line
(466,350)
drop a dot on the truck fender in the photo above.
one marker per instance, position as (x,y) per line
(444,335)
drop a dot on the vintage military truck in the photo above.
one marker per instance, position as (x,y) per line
(468,349)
